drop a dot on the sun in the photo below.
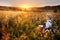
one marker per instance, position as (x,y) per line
(25,6)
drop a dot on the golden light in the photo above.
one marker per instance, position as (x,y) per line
(25,6)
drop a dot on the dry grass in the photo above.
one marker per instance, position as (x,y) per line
(22,25)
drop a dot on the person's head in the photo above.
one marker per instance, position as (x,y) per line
(48,16)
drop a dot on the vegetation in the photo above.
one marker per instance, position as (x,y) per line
(21,27)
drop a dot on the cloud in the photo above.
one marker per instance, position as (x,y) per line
(33,2)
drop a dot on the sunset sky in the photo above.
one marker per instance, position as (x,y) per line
(33,3)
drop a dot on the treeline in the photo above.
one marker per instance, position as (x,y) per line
(34,9)
(9,8)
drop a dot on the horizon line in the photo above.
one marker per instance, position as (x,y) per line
(32,6)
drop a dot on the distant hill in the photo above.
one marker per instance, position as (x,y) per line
(48,8)
(9,8)
(35,9)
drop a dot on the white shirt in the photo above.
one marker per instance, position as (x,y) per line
(48,24)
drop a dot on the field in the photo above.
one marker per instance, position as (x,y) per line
(20,25)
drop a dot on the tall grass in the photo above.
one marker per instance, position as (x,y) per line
(24,27)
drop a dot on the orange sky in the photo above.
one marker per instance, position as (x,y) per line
(34,3)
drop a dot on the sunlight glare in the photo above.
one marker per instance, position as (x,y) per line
(25,6)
